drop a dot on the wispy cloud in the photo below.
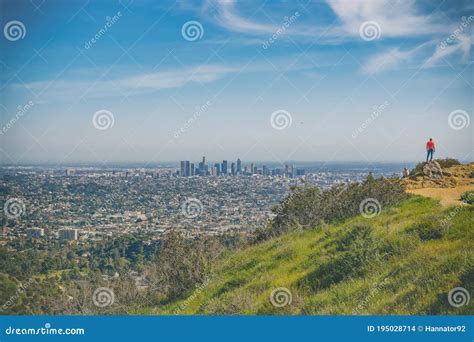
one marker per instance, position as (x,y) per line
(148,82)
(395,18)
(462,44)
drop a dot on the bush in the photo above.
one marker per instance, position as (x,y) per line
(468,197)
(309,207)
(448,162)
(428,229)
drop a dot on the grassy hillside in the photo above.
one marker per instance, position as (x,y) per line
(403,261)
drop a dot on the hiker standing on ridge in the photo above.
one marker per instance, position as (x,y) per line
(430,149)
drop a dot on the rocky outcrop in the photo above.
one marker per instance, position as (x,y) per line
(432,175)
(432,170)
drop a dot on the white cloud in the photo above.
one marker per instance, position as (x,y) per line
(392,58)
(396,18)
(462,44)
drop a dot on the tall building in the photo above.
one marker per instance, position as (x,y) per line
(239,165)
(232,169)
(202,169)
(188,168)
(182,172)
(68,234)
(265,171)
(224,167)
(251,169)
(192,169)
(218,169)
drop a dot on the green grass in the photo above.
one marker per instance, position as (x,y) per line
(399,262)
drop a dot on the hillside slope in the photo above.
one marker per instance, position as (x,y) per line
(400,262)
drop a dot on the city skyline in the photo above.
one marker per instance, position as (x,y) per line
(302,81)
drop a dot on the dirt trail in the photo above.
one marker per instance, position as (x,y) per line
(447,196)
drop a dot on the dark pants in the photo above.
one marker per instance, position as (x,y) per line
(429,155)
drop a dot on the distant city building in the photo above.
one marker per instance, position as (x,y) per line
(224,167)
(239,166)
(300,172)
(232,169)
(188,168)
(183,169)
(35,232)
(193,171)
(251,169)
(68,234)
(218,169)
(70,172)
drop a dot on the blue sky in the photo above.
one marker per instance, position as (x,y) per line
(349,80)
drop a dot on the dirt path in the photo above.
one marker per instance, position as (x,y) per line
(447,196)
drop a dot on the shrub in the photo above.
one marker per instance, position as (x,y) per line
(448,162)
(428,229)
(468,197)
(309,207)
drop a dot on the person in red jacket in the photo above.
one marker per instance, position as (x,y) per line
(430,149)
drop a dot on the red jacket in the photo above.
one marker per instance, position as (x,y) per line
(430,145)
